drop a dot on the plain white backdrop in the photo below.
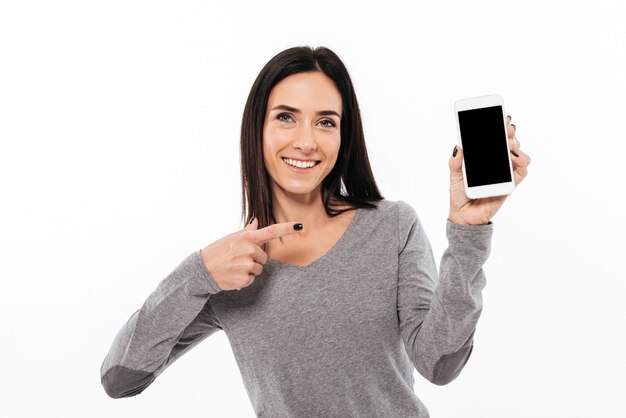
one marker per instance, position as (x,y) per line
(119,130)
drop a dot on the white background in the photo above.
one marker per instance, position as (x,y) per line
(119,129)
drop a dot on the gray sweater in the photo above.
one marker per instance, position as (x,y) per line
(337,338)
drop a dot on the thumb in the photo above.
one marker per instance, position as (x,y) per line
(456,164)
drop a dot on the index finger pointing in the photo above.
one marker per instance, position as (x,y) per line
(270,232)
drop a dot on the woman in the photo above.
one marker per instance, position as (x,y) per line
(330,295)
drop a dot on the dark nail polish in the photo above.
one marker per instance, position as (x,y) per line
(513,125)
(297,227)
(250,223)
(513,152)
(454,152)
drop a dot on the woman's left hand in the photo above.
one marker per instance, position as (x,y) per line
(480,211)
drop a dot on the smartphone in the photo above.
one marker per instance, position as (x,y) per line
(481,126)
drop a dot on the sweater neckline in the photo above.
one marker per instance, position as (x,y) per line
(329,254)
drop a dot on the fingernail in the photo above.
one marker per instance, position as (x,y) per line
(513,152)
(297,227)
(454,152)
(250,223)
(513,125)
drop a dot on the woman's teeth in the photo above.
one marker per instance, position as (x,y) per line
(300,164)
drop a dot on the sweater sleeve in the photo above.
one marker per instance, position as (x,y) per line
(438,313)
(176,316)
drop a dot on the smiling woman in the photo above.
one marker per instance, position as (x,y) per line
(329,319)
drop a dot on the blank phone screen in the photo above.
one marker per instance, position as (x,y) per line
(484,146)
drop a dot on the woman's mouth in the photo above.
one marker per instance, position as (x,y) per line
(300,166)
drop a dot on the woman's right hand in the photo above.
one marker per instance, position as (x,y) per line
(235,260)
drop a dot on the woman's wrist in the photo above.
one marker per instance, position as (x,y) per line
(456,219)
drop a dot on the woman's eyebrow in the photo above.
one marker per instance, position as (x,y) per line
(294,110)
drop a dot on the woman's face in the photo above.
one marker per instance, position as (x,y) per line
(302,122)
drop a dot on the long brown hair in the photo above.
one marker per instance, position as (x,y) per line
(350,181)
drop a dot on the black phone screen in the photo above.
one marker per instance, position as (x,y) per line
(484,146)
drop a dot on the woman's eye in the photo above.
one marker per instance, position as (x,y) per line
(279,117)
(330,123)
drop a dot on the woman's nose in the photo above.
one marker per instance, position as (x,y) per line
(306,138)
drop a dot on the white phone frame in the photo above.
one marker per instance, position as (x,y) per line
(489,190)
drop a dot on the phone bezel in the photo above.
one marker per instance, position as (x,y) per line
(489,190)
